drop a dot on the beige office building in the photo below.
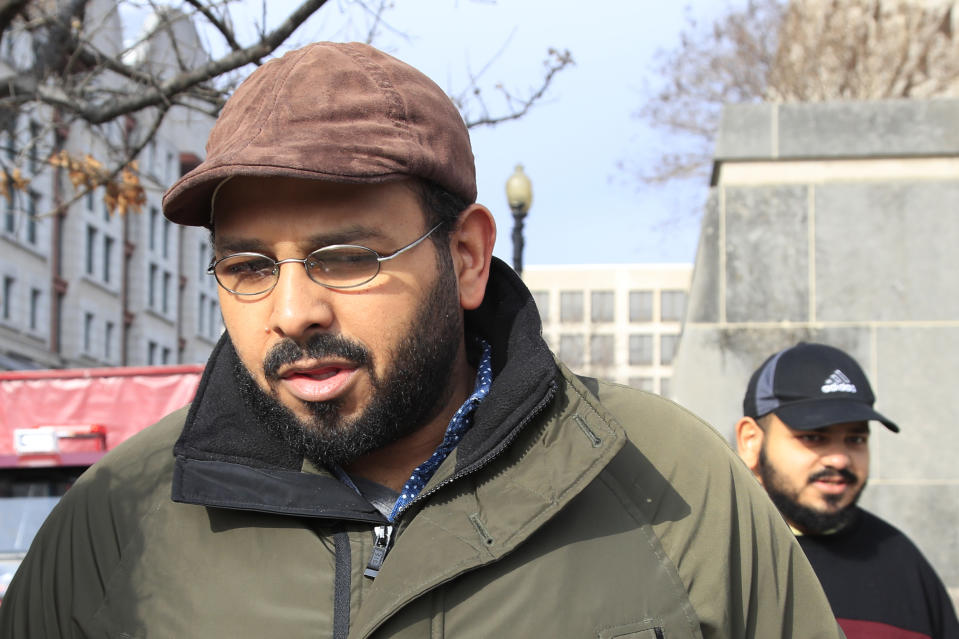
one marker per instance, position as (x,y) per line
(618,322)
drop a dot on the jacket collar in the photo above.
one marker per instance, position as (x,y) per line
(224,458)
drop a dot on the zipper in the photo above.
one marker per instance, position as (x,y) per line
(383,535)
(493,454)
(382,542)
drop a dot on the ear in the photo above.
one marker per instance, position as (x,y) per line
(471,245)
(749,441)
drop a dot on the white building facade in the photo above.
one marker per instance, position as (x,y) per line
(86,287)
(618,322)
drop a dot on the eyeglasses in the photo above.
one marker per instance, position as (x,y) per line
(335,266)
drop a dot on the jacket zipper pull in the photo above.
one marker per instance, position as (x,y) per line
(382,542)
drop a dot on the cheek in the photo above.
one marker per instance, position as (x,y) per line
(248,332)
(861,461)
(794,464)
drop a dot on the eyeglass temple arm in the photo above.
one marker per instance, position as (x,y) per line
(383,258)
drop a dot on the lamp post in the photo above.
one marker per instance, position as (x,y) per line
(519,195)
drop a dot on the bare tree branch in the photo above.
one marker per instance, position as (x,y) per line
(795,50)
(518,106)
(215,20)
(69,67)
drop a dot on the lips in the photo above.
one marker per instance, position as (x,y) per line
(834,482)
(318,383)
(832,486)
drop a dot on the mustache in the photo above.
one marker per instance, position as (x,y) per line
(318,346)
(832,473)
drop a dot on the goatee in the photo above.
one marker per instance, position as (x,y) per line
(809,520)
(412,390)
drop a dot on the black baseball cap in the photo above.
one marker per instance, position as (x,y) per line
(810,386)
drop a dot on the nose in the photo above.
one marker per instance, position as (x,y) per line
(300,306)
(837,457)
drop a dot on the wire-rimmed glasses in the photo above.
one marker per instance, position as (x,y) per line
(335,266)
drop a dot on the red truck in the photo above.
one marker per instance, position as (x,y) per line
(54,424)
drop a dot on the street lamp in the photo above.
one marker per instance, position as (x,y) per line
(519,194)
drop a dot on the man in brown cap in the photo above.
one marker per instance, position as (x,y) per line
(382,444)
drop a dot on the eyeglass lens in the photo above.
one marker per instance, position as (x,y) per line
(339,267)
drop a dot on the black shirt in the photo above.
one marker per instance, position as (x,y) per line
(879,584)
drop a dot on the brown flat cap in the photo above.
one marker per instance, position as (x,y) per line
(336,112)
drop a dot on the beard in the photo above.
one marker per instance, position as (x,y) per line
(412,390)
(812,521)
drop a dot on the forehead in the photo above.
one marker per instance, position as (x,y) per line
(277,206)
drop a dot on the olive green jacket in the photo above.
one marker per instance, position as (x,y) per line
(573,509)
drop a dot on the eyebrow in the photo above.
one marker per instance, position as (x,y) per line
(350,235)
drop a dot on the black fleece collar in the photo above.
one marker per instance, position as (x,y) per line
(224,458)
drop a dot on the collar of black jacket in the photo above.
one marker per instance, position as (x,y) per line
(224,458)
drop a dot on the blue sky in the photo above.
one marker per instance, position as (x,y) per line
(586,210)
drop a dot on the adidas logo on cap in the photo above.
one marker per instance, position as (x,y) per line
(837,382)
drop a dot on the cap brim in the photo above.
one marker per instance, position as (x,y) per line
(188,201)
(809,415)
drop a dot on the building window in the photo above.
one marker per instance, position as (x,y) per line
(108,342)
(640,306)
(8,289)
(664,386)
(31,218)
(91,249)
(107,257)
(8,141)
(151,353)
(601,306)
(213,319)
(601,350)
(87,331)
(166,236)
(9,216)
(640,350)
(542,304)
(201,315)
(203,262)
(170,168)
(673,305)
(152,287)
(34,308)
(34,152)
(152,231)
(667,348)
(571,306)
(165,355)
(151,156)
(89,200)
(165,301)
(642,383)
(571,350)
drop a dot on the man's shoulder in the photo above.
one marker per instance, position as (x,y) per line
(668,446)
(873,522)
(894,541)
(890,549)
(683,480)
(137,465)
(658,426)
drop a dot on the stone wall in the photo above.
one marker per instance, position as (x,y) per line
(839,223)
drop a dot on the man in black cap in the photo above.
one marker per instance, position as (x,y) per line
(805,436)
